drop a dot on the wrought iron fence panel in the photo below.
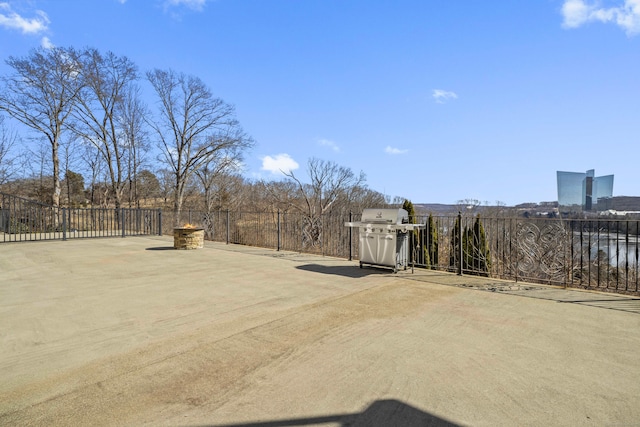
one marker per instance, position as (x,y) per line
(588,253)
(27,220)
(335,236)
(292,231)
(605,254)
(432,248)
(291,227)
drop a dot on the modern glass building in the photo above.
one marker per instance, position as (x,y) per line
(583,190)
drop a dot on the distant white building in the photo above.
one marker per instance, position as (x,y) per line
(583,190)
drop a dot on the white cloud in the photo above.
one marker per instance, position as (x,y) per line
(442,96)
(12,20)
(279,164)
(579,12)
(575,13)
(327,143)
(46,43)
(392,150)
(196,5)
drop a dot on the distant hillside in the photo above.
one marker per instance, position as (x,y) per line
(435,208)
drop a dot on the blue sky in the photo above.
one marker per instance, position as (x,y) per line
(435,100)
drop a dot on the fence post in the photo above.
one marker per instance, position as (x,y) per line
(460,244)
(8,208)
(322,234)
(64,224)
(122,221)
(278,230)
(568,275)
(517,255)
(350,237)
(227,226)
(159,222)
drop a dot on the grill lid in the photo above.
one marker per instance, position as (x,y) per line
(385,216)
(391,219)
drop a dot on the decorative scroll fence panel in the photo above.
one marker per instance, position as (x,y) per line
(26,220)
(594,254)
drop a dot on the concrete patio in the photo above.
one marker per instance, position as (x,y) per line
(129,331)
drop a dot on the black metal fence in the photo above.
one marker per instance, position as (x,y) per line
(592,253)
(324,235)
(27,220)
(586,253)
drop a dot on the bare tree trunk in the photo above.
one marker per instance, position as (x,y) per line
(57,189)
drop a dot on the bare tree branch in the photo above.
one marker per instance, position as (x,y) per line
(8,140)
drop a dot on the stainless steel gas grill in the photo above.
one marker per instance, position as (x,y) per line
(384,237)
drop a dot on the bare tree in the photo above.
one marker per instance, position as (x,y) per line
(8,140)
(147,186)
(40,169)
(233,192)
(132,121)
(469,206)
(214,177)
(94,165)
(108,82)
(194,129)
(166,181)
(329,183)
(280,195)
(363,197)
(73,181)
(40,94)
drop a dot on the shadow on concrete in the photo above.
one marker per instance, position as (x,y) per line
(560,295)
(630,305)
(161,248)
(381,413)
(343,270)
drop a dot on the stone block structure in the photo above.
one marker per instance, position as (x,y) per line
(188,238)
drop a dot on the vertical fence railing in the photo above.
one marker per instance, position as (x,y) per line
(26,220)
(588,253)
(350,237)
(279,231)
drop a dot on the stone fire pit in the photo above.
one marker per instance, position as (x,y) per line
(188,238)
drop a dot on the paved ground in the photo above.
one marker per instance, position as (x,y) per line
(130,332)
